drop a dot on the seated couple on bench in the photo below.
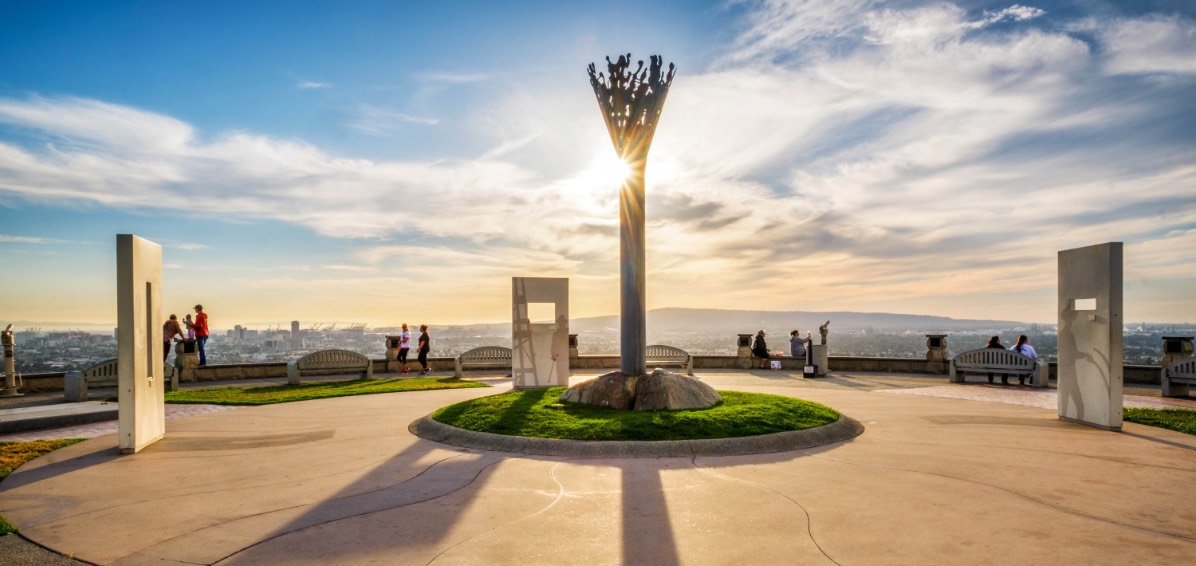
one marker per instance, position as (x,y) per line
(1023,347)
(797,347)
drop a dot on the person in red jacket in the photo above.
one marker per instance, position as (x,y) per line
(200,326)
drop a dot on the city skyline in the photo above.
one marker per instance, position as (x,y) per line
(384,163)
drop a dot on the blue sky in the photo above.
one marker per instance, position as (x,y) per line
(388,161)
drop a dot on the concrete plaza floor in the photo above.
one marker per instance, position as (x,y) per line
(943,474)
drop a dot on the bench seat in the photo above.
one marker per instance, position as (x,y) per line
(327,362)
(106,374)
(485,356)
(657,355)
(1178,377)
(994,360)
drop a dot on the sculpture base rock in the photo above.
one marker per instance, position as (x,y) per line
(657,391)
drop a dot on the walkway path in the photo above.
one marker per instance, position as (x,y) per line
(933,480)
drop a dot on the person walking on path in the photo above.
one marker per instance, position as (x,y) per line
(404,347)
(201,333)
(425,345)
(1024,348)
(169,331)
(760,350)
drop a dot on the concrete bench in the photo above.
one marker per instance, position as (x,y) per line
(106,374)
(329,362)
(658,355)
(486,356)
(1177,377)
(994,360)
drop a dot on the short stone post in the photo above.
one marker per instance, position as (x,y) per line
(745,352)
(392,354)
(938,358)
(74,387)
(573,355)
(186,360)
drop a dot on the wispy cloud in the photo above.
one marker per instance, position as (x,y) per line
(375,121)
(188,246)
(453,78)
(309,85)
(9,239)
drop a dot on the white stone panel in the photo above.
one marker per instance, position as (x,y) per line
(1090,335)
(540,350)
(139,342)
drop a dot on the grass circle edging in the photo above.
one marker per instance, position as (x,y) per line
(844,428)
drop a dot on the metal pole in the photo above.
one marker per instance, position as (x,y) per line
(10,370)
(633,320)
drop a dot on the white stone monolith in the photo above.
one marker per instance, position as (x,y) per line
(1090,335)
(540,350)
(140,374)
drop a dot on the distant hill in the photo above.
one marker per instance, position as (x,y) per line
(684,319)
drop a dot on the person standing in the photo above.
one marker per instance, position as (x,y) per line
(404,347)
(169,331)
(201,333)
(425,345)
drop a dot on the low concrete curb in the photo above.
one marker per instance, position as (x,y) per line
(53,416)
(845,428)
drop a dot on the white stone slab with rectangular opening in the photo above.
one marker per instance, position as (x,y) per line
(540,332)
(141,406)
(1090,335)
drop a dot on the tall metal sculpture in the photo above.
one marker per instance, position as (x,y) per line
(631,102)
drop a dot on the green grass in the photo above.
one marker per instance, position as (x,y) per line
(14,454)
(307,391)
(540,414)
(1182,420)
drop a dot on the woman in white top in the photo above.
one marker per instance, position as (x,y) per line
(404,346)
(1024,348)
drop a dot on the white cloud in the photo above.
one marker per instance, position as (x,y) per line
(380,122)
(10,239)
(308,85)
(1153,44)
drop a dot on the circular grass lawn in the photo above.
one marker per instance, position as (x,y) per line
(539,413)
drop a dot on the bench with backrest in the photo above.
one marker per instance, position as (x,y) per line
(329,362)
(106,374)
(1178,376)
(997,361)
(485,356)
(658,355)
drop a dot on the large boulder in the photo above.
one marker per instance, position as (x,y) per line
(657,391)
(613,390)
(664,390)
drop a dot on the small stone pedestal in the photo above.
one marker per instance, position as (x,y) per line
(186,359)
(745,351)
(392,354)
(938,357)
(573,355)
(818,357)
(1176,348)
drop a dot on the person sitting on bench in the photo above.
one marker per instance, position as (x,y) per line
(760,350)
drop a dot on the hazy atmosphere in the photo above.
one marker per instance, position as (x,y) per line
(386,162)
